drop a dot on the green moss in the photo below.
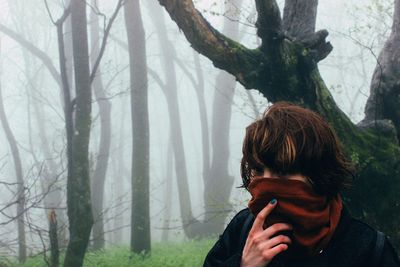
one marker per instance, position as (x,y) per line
(290,52)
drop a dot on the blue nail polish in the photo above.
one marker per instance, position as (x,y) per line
(273,201)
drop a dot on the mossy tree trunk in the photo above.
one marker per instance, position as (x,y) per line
(284,68)
(78,184)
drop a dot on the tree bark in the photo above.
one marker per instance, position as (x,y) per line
(78,185)
(299,18)
(384,97)
(99,176)
(284,68)
(140,217)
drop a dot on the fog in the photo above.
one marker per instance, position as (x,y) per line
(33,104)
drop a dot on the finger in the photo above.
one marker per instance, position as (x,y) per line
(271,231)
(275,228)
(265,244)
(271,253)
(262,215)
(280,239)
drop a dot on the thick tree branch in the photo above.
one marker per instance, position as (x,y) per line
(225,53)
(269,23)
(317,45)
(34,50)
(299,17)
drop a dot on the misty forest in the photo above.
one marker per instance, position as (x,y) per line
(122,121)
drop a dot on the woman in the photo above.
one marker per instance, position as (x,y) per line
(294,168)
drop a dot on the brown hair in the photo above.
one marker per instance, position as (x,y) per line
(289,139)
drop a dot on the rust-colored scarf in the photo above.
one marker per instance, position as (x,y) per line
(313,217)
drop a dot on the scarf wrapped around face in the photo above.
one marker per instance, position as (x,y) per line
(314,218)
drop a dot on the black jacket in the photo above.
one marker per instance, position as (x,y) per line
(352,245)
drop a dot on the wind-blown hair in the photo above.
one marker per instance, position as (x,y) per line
(289,139)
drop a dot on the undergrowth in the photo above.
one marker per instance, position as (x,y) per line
(186,254)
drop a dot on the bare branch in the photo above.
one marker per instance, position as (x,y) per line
(34,50)
(105,37)
(157,79)
(64,16)
(49,12)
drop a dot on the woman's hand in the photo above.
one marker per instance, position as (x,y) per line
(260,248)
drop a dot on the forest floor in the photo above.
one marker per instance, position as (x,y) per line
(186,254)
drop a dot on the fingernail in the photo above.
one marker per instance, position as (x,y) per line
(273,201)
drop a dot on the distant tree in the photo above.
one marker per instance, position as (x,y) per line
(285,67)
(103,154)
(219,183)
(140,216)
(170,90)
(216,189)
(20,194)
(120,171)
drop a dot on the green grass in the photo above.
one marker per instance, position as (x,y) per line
(186,254)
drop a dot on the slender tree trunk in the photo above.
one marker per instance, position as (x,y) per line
(55,252)
(78,185)
(119,172)
(169,175)
(101,163)
(20,181)
(200,88)
(140,217)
